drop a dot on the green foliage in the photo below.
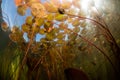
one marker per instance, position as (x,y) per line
(10,59)
(29,20)
(21,10)
(25,28)
(50,7)
(60,35)
(39,21)
(50,17)
(38,10)
(60,17)
(42,31)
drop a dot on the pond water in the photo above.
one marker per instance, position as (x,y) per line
(91,49)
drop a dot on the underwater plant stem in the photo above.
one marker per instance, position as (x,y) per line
(91,43)
(107,32)
(28,47)
(40,59)
(101,26)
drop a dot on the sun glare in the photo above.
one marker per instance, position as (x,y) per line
(98,3)
(66,0)
(84,4)
(88,4)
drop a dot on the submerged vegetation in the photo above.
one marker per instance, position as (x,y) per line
(70,38)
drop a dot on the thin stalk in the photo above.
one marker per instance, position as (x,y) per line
(91,43)
(28,47)
(105,28)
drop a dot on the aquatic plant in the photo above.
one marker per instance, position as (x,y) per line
(68,34)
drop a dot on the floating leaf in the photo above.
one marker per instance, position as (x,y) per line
(13,37)
(4,26)
(60,41)
(39,21)
(55,30)
(60,35)
(47,25)
(56,3)
(21,9)
(76,22)
(42,31)
(35,29)
(49,37)
(16,37)
(29,20)
(25,28)
(50,7)
(66,4)
(60,17)
(43,40)
(63,26)
(15,29)
(38,10)
(50,17)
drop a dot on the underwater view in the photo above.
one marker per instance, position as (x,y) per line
(59,39)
